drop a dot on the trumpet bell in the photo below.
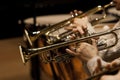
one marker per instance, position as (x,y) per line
(23,55)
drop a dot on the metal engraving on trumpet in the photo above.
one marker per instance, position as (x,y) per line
(49,30)
(27,53)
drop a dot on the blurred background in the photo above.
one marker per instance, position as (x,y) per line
(12,16)
(13,11)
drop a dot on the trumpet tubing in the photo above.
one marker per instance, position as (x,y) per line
(56,44)
(27,53)
(49,30)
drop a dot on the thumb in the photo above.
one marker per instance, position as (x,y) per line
(94,42)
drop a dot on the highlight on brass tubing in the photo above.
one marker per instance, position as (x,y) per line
(28,37)
(26,53)
(22,54)
(68,21)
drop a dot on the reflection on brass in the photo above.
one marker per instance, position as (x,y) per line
(26,53)
(32,36)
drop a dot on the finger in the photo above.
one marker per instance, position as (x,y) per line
(75,30)
(99,67)
(80,23)
(68,28)
(108,67)
(73,36)
(85,22)
(80,29)
(72,26)
(72,47)
(94,42)
(115,63)
(99,63)
(70,51)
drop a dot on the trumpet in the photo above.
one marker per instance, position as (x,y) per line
(26,54)
(32,36)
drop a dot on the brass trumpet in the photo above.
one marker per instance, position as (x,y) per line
(47,31)
(26,54)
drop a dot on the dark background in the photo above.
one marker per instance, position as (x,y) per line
(11,11)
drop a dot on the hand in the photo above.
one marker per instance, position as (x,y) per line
(84,51)
(108,66)
(78,24)
(81,25)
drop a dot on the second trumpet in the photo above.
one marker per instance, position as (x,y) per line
(26,53)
